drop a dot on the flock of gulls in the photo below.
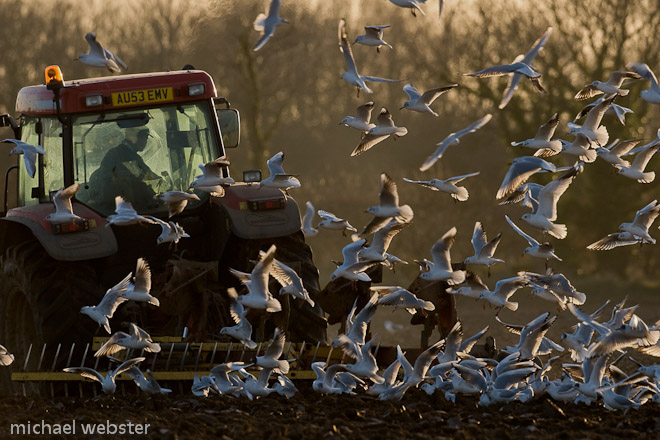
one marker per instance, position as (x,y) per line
(581,367)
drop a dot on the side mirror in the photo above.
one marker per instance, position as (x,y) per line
(230,126)
(7,121)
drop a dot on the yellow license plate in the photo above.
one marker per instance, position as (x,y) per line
(145,96)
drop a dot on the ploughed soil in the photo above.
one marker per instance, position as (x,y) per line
(311,415)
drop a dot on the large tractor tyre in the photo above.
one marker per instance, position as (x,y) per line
(41,301)
(305,323)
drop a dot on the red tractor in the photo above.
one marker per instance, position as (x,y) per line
(48,272)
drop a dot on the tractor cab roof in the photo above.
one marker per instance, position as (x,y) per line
(118,92)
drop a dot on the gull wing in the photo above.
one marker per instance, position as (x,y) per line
(530,239)
(363,112)
(479,239)
(546,130)
(345,48)
(113,297)
(63,197)
(368,141)
(389,196)
(95,47)
(89,373)
(275,164)
(520,170)
(440,250)
(595,115)
(412,92)
(645,216)
(551,193)
(432,94)
(643,157)
(142,276)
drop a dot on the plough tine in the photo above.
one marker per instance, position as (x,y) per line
(199,354)
(183,358)
(52,368)
(57,353)
(169,357)
(300,354)
(288,350)
(25,365)
(153,362)
(215,347)
(316,352)
(327,361)
(68,360)
(96,363)
(68,364)
(41,358)
(377,348)
(82,364)
(27,358)
(231,344)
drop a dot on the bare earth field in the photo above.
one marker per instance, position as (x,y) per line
(310,415)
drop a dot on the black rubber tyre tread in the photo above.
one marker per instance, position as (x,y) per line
(306,323)
(41,304)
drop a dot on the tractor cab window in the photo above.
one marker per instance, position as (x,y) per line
(140,153)
(46,132)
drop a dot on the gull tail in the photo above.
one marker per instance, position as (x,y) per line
(623,92)
(283,366)
(154,301)
(558,231)
(259,22)
(602,136)
(579,298)
(461,195)
(457,277)
(647,177)
(513,306)
(273,306)
(589,156)
(249,343)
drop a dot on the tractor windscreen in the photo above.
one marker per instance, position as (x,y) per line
(140,153)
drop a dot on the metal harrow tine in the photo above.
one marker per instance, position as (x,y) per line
(68,364)
(183,358)
(68,360)
(316,352)
(327,361)
(153,362)
(41,358)
(27,358)
(199,354)
(169,357)
(57,353)
(377,348)
(300,354)
(52,368)
(231,344)
(215,347)
(82,364)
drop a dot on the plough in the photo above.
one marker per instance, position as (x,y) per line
(177,362)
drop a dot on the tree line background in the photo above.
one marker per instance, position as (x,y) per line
(291,99)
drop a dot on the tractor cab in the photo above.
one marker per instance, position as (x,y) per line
(134,136)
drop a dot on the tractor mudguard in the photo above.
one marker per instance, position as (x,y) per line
(259,212)
(69,241)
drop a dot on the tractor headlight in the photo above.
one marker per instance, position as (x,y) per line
(252,176)
(93,100)
(196,89)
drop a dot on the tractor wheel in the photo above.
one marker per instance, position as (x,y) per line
(41,305)
(305,323)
